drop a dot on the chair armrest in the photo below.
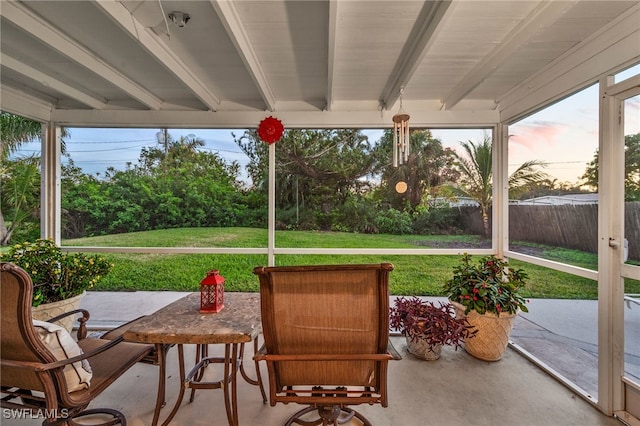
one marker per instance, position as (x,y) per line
(86,355)
(82,328)
(261,352)
(37,366)
(22,364)
(392,354)
(323,357)
(391,350)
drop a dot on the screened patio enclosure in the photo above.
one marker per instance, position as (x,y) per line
(338,64)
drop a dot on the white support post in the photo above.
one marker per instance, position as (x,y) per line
(50,197)
(500,210)
(272,205)
(610,252)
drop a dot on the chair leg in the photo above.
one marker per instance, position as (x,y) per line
(327,415)
(117,418)
(295,418)
(360,417)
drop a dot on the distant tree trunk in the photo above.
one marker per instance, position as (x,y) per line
(485,222)
(5,235)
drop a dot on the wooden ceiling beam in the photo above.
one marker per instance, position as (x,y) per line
(542,16)
(331,51)
(52,37)
(55,84)
(20,103)
(417,45)
(233,25)
(616,43)
(158,49)
(293,119)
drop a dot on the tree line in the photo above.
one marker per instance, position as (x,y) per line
(325,180)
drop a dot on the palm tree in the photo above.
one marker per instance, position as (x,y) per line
(14,131)
(21,177)
(18,178)
(20,189)
(429,166)
(476,168)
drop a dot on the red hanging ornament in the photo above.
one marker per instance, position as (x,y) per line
(270,130)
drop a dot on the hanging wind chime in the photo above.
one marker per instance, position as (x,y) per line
(400,135)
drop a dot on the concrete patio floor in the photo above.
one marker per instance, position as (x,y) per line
(455,390)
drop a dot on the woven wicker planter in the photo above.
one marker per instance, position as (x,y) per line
(492,338)
(420,349)
(49,310)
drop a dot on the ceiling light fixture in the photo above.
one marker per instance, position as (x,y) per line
(400,135)
(179,18)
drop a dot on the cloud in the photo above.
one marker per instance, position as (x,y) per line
(533,135)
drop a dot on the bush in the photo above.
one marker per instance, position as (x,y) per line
(357,214)
(56,275)
(27,231)
(295,219)
(435,220)
(393,221)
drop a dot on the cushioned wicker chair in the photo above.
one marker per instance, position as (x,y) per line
(326,338)
(33,376)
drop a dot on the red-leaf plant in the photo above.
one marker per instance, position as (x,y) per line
(489,285)
(420,319)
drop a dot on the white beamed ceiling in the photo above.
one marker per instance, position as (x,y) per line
(310,63)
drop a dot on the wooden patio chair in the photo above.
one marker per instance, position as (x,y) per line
(326,338)
(43,370)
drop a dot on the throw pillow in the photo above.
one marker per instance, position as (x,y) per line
(62,346)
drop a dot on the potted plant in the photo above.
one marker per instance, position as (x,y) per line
(428,327)
(487,293)
(59,279)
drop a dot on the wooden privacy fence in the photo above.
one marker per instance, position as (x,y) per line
(568,226)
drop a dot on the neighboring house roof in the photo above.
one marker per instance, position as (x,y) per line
(554,200)
(454,201)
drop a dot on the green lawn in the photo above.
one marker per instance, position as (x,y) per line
(413,275)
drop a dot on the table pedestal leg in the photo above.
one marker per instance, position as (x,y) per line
(230,376)
(232,363)
(162,375)
(181,392)
(228,382)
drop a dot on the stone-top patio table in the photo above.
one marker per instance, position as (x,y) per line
(182,323)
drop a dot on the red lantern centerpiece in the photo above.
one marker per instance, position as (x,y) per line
(212,293)
(270,130)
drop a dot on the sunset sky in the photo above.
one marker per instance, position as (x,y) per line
(565,136)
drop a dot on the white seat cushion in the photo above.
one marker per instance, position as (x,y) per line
(62,346)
